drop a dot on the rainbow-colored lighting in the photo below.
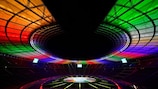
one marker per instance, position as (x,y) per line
(140,20)
(132,24)
(18,19)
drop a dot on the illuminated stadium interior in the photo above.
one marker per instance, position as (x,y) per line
(75,44)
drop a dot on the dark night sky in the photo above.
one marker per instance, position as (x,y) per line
(79,19)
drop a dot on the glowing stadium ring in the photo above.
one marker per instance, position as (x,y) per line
(18,20)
